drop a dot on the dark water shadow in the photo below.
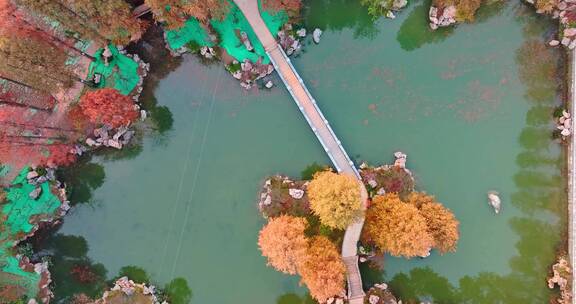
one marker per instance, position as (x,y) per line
(293,298)
(415,31)
(540,191)
(82,179)
(337,15)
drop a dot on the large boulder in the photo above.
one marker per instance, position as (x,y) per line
(316,35)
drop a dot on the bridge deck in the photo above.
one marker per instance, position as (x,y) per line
(323,132)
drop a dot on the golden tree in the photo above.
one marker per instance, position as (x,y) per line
(204,10)
(396,227)
(31,60)
(442,224)
(335,199)
(323,271)
(284,243)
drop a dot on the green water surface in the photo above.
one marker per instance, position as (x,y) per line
(184,205)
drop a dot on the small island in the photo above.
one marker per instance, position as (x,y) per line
(307,219)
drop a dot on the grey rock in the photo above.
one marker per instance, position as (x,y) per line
(301,33)
(127,137)
(296,193)
(35,193)
(31,175)
(90,142)
(114,144)
(316,35)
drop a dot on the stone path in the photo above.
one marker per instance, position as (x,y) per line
(321,128)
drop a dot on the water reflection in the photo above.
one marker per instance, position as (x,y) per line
(336,15)
(71,269)
(415,32)
(73,272)
(292,298)
(522,285)
(540,197)
(81,179)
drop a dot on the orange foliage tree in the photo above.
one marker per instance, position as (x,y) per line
(108,106)
(442,224)
(335,199)
(284,243)
(323,271)
(174,12)
(396,227)
(204,10)
(292,6)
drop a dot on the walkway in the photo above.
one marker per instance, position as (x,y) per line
(321,129)
(572,171)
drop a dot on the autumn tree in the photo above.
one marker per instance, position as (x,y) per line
(14,19)
(465,9)
(97,20)
(396,227)
(107,106)
(284,243)
(442,224)
(291,6)
(113,19)
(323,271)
(335,199)
(33,61)
(62,12)
(174,13)
(204,10)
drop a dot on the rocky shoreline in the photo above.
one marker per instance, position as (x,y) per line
(40,181)
(441,16)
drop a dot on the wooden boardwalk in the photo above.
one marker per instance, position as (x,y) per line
(321,128)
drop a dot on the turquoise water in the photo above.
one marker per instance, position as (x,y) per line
(185,203)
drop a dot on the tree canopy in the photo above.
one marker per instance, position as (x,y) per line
(335,199)
(396,227)
(284,243)
(108,106)
(31,60)
(174,13)
(323,271)
(442,224)
(97,20)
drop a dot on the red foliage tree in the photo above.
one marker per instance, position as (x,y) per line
(58,155)
(109,107)
(30,137)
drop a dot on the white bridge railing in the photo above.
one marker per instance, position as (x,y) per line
(340,147)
